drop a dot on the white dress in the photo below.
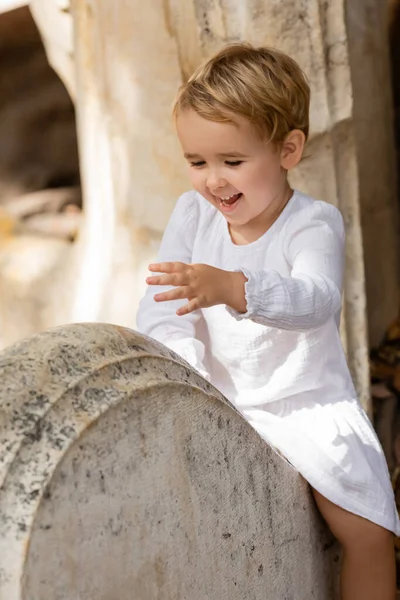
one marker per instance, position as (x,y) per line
(281,363)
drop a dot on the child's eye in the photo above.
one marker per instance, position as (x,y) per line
(233,163)
(199,163)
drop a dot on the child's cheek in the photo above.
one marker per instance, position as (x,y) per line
(198,182)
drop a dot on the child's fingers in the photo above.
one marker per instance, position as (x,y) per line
(167,267)
(189,307)
(172,279)
(160,280)
(176,294)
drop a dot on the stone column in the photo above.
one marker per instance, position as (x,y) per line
(373,131)
(124,474)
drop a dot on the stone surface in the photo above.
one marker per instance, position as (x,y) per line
(373,127)
(55,23)
(124,474)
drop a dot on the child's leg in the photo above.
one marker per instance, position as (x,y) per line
(368,567)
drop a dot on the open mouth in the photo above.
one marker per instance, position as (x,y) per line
(228,204)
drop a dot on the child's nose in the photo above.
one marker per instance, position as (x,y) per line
(215,182)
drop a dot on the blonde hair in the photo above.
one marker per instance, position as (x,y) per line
(263,85)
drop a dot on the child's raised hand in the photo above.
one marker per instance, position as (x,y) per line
(202,285)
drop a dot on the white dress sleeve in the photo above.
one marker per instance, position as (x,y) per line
(158,319)
(314,248)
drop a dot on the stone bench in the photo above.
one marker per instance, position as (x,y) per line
(124,475)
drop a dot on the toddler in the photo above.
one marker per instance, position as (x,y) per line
(247,288)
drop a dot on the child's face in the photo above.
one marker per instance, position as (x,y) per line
(232,166)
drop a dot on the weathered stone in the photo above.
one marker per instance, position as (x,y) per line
(124,474)
(55,23)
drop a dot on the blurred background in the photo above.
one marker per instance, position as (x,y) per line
(90,167)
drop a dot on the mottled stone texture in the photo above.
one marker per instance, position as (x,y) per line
(124,474)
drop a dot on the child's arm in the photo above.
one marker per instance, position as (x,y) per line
(314,248)
(159,320)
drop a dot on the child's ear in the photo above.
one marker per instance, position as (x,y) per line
(292,149)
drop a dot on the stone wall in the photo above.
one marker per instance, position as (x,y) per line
(373,127)
(124,474)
